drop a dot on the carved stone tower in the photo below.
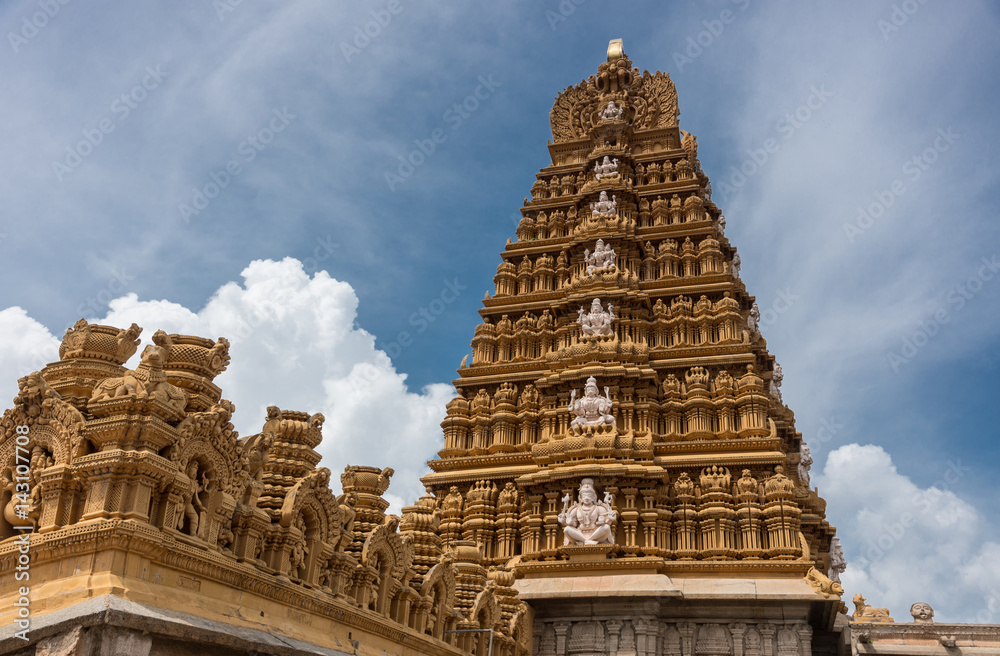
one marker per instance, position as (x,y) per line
(619,439)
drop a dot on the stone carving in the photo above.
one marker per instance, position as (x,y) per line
(191,501)
(148,381)
(776,377)
(345,506)
(604,207)
(601,259)
(608,167)
(865,613)
(592,409)
(753,320)
(612,112)
(597,322)
(737,261)
(588,521)
(922,612)
(652,96)
(822,584)
(837,562)
(805,463)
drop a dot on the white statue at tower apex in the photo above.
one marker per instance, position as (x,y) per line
(597,322)
(603,257)
(588,521)
(605,207)
(593,409)
(607,167)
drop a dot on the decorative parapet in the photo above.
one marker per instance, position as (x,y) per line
(154,497)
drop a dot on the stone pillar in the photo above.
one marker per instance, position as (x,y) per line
(767,638)
(805,638)
(561,628)
(738,630)
(614,630)
(686,630)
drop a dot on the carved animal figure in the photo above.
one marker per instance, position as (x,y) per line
(863,611)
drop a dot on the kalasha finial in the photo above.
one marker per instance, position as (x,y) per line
(616,49)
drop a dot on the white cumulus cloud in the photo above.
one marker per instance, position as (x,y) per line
(295,344)
(905,543)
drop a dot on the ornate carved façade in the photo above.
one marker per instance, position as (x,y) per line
(147,464)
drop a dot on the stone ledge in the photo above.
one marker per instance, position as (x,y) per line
(609,585)
(112,611)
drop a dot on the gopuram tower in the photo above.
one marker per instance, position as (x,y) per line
(619,439)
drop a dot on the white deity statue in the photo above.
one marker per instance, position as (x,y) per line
(805,463)
(776,379)
(736,265)
(837,562)
(603,257)
(597,321)
(754,319)
(612,111)
(593,409)
(605,207)
(721,223)
(588,521)
(607,167)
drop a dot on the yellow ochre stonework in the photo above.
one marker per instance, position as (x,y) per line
(619,475)
(151,526)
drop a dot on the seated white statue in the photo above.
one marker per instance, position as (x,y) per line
(588,521)
(597,321)
(612,111)
(593,409)
(603,257)
(605,207)
(607,167)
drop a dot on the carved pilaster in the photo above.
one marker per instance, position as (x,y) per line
(767,638)
(738,630)
(561,629)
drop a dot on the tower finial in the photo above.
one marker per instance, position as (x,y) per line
(616,49)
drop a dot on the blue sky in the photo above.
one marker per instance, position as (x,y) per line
(865,216)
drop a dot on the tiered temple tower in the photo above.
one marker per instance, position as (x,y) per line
(619,438)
